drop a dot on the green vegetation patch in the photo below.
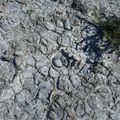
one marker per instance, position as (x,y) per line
(111,30)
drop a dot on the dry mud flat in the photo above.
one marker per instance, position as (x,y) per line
(55,63)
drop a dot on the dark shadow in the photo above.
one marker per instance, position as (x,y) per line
(95,45)
(77,5)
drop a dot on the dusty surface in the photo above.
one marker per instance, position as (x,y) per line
(54,62)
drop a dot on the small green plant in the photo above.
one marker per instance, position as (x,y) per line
(111,30)
(110,27)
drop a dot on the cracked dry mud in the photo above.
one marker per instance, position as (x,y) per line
(54,62)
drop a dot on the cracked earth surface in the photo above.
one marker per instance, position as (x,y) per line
(53,63)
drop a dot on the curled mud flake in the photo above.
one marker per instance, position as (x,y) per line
(57,62)
(64,61)
(70,59)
